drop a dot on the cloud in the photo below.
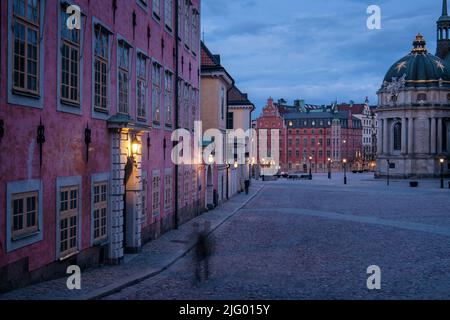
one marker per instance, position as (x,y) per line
(313,50)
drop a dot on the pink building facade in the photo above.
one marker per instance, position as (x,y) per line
(86,119)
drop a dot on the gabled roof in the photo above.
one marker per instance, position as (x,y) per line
(211,63)
(237,98)
(357,108)
(209,59)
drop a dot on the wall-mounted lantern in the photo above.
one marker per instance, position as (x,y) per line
(149,145)
(134,18)
(149,35)
(164,147)
(2,130)
(134,147)
(114,7)
(40,140)
(87,141)
(210,159)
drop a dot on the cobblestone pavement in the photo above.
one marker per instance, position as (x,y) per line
(155,257)
(316,239)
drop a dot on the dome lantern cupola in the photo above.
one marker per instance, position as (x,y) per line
(419,45)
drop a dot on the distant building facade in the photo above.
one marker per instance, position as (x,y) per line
(314,139)
(239,117)
(216,83)
(366,114)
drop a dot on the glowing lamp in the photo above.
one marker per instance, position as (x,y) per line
(210,159)
(135,146)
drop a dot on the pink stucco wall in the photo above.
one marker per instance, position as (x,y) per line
(64,149)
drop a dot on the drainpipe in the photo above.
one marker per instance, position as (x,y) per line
(226,138)
(176,106)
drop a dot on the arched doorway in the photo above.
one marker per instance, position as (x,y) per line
(209,187)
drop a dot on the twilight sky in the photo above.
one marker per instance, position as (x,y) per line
(314,50)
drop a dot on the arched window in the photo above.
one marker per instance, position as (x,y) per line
(398,136)
(421,97)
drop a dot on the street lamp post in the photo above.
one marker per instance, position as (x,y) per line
(441,162)
(317,159)
(345,171)
(388,168)
(310,167)
(329,168)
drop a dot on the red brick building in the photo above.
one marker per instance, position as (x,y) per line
(310,137)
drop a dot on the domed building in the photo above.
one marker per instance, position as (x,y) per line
(414,111)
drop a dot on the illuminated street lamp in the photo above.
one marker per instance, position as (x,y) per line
(236,165)
(441,162)
(310,167)
(329,168)
(345,170)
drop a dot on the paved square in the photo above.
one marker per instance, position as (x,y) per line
(316,239)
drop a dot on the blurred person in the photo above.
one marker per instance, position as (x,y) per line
(203,251)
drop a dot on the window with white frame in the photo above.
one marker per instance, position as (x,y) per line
(68,222)
(141,86)
(101,67)
(187,30)
(156,196)
(195,34)
(156,93)
(168,184)
(180,18)
(100,210)
(168,14)
(123,65)
(70,62)
(180,98)
(26,35)
(144,194)
(24,214)
(168,97)
(157,8)
(193,109)
(222,103)
(25,211)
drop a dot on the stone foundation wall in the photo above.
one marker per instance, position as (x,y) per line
(17,275)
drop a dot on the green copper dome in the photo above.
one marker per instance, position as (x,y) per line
(420,68)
